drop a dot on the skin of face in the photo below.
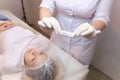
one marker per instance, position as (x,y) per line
(34,57)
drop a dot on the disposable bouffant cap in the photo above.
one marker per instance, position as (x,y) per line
(46,71)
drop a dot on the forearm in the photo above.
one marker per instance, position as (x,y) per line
(99,25)
(44,13)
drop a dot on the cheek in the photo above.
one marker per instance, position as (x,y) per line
(41,59)
(36,61)
(28,60)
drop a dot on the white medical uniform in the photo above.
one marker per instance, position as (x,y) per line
(72,13)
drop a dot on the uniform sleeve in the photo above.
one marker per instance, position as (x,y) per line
(50,4)
(103,11)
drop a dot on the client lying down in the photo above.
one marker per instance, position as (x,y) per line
(20,49)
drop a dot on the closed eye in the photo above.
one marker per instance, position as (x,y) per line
(33,59)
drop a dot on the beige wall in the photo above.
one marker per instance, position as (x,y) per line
(12,5)
(32,11)
(107,57)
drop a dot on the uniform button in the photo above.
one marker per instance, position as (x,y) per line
(69,12)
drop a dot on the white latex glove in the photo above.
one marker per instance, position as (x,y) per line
(86,30)
(50,22)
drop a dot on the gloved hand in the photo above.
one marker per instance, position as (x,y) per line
(50,22)
(86,30)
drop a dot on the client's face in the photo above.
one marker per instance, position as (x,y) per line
(34,57)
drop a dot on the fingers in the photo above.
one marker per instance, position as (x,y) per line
(5,27)
(50,22)
(7,23)
(97,33)
(55,25)
(4,22)
(12,24)
(80,30)
(47,22)
(87,32)
(40,23)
